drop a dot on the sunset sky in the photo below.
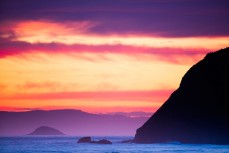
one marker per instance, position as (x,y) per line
(103,56)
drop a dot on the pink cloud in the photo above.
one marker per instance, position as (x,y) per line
(97,95)
(99,110)
(174,55)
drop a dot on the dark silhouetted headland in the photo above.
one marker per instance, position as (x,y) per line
(197,112)
(45,130)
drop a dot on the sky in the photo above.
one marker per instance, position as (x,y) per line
(103,56)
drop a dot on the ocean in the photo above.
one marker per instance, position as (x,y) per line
(68,144)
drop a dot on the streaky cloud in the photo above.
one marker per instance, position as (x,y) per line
(166,54)
(174,18)
(94,95)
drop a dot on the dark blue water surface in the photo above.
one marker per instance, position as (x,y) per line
(68,144)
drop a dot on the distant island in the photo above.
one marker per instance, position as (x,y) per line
(71,122)
(198,111)
(45,130)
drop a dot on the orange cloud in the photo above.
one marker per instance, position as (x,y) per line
(37,85)
(106,101)
(72,73)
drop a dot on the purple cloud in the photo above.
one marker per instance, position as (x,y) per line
(174,18)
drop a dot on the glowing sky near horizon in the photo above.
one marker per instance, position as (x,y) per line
(80,55)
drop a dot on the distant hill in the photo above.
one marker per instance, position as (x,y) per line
(198,111)
(45,130)
(70,122)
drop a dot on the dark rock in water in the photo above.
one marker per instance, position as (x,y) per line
(104,141)
(84,140)
(45,130)
(88,140)
(127,141)
(197,112)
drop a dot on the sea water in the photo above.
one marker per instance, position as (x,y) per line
(68,144)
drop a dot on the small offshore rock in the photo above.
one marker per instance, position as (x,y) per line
(104,141)
(84,140)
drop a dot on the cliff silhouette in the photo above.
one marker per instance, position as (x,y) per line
(198,111)
(45,130)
